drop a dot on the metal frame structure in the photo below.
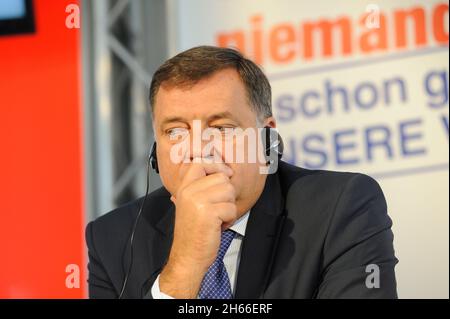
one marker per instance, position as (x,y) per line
(123,42)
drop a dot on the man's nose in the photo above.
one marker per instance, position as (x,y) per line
(199,148)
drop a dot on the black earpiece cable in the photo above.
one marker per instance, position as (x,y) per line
(125,281)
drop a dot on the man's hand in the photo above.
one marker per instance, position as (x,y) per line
(205,205)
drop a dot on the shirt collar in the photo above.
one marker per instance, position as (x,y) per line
(240,225)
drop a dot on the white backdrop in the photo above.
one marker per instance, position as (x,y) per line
(367,96)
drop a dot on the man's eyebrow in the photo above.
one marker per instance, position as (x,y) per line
(221,115)
(216,116)
(172,119)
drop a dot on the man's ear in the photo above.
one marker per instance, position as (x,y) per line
(270,122)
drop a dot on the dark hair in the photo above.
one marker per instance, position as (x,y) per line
(190,66)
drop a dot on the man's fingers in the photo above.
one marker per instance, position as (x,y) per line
(209,181)
(199,170)
(214,167)
(227,212)
(218,193)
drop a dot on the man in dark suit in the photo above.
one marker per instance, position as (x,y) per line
(219,228)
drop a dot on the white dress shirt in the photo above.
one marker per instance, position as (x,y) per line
(231,258)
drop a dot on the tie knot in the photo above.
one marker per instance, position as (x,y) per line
(225,241)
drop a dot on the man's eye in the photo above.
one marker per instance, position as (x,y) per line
(225,129)
(177,133)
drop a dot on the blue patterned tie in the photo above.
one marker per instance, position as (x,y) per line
(216,284)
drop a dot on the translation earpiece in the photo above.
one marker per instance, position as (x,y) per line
(153,158)
(273,143)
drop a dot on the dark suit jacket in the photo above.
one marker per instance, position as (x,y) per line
(311,234)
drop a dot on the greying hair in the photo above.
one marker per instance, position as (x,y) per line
(193,65)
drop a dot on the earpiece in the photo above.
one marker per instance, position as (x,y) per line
(153,159)
(273,144)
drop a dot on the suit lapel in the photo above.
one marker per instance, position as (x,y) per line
(159,244)
(263,228)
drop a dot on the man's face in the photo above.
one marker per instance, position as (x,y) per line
(219,101)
